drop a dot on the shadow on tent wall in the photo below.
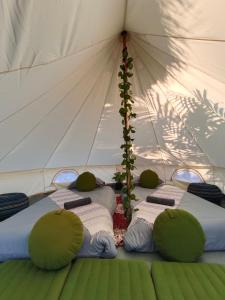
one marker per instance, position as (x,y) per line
(180,126)
(189,136)
(157,56)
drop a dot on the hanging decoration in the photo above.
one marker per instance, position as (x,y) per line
(127,114)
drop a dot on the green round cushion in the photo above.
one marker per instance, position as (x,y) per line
(86,182)
(178,236)
(55,239)
(149,179)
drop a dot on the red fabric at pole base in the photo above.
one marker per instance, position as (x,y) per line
(120,222)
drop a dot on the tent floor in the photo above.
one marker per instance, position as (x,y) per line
(208,257)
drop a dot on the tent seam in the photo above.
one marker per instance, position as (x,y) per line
(44,117)
(191,92)
(182,37)
(51,89)
(74,25)
(72,121)
(153,127)
(125,14)
(57,59)
(170,55)
(96,132)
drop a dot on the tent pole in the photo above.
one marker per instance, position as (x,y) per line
(126,119)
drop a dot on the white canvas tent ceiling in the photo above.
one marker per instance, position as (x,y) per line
(59,96)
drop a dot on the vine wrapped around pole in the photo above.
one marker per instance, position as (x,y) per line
(127,114)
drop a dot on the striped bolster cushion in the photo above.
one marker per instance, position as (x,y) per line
(77,203)
(12,203)
(159,200)
(206,191)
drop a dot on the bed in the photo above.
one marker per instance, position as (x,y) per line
(96,217)
(212,218)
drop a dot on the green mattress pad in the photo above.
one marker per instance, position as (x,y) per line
(21,280)
(188,281)
(106,279)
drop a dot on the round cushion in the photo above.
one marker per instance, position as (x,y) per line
(86,182)
(178,235)
(55,239)
(149,179)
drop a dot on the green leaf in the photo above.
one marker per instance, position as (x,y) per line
(124,190)
(127,114)
(133,115)
(127,97)
(130,66)
(132,197)
(121,86)
(123,111)
(122,67)
(129,74)
(125,53)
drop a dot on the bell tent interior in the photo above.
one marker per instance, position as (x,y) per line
(125,91)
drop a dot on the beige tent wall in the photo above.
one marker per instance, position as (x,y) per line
(59,97)
(30,182)
(37,181)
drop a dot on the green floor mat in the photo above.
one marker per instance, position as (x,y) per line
(105,279)
(21,280)
(190,281)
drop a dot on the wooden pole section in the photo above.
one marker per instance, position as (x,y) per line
(126,119)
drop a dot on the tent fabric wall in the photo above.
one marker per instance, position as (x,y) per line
(37,181)
(59,93)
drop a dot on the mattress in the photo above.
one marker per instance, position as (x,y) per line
(14,232)
(21,280)
(193,281)
(212,218)
(91,279)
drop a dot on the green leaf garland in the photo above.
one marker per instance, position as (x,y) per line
(127,114)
